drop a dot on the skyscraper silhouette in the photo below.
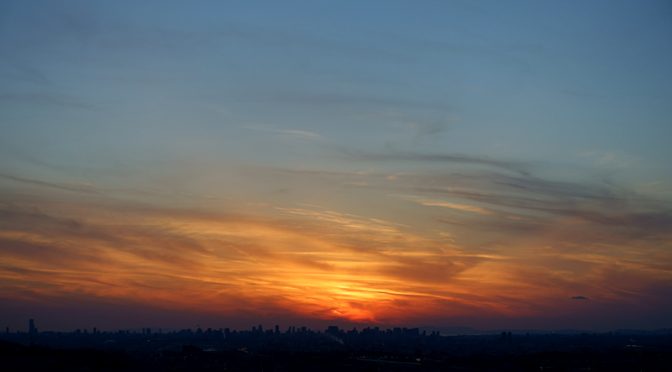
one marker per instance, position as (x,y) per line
(32,331)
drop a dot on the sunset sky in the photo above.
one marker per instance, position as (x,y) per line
(488,164)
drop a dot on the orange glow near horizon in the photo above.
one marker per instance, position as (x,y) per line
(312,264)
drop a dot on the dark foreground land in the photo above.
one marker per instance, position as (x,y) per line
(333,350)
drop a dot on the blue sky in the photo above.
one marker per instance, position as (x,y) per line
(465,77)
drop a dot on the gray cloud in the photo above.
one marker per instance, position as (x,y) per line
(520,202)
(580,211)
(414,157)
(611,211)
(89,189)
(525,203)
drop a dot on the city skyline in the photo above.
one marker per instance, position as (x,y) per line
(484,164)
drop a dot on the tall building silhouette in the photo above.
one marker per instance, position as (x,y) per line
(32,331)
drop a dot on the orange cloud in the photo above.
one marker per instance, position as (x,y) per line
(314,263)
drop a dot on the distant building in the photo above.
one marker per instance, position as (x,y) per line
(32,331)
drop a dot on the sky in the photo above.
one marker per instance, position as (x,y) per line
(479,164)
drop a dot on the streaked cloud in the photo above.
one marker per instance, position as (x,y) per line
(84,188)
(415,157)
(456,206)
(366,269)
(295,133)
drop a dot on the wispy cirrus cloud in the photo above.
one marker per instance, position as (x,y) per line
(291,133)
(400,157)
(83,188)
(601,206)
(513,202)
(365,268)
(456,206)
(161,250)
